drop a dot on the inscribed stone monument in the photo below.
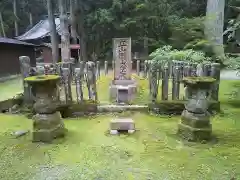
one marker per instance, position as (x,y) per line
(123,87)
(122,58)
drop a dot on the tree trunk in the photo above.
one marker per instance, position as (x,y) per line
(53,32)
(214,24)
(81,32)
(65,36)
(2,25)
(145,46)
(16,17)
(31,19)
(73,20)
(83,48)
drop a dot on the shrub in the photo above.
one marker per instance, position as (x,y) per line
(185,30)
(232,63)
(201,45)
(166,53)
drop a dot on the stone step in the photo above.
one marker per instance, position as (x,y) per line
(120,108)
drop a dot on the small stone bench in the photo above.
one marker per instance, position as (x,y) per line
(122,124)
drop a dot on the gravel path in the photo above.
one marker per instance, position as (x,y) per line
(229,75)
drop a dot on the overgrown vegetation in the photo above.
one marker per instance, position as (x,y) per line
(167,53)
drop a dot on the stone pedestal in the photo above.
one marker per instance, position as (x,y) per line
(195,120)
(47,127)
(122,124)
(195,127)
(47,123)
(123,91)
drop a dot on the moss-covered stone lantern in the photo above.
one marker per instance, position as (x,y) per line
(47,123)
(195,120)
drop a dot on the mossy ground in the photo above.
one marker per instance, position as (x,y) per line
(199,79)
(153,152)
(42,78)
(88,152)
(10,88)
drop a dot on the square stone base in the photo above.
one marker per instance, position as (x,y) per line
(194,134)
(47,127)
(122,124)
(195,120)
(123,91)
(48,135)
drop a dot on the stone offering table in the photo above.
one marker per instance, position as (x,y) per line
(47,123)
(195,120)
(122,124)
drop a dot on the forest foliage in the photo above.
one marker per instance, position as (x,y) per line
(178,23)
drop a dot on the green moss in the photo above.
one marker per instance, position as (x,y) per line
(125,114)
(152,152)
(90,101)
(177,106)
(86,106)
(42,78)
(195,80)
(10,88)
(231,102)
(171,102)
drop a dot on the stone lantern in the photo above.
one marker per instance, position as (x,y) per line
(47,123)
(195,119)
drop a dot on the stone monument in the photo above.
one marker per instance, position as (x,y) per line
(91,80)
(25,72)
(122,88)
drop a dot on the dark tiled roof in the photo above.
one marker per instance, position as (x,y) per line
(14,41)
(40,30)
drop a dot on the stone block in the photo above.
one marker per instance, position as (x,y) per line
(195,120)
(197,106)
(124,82)
(20,133)
(122,124)
(123,90)
(123,94)
(45,106)
(114,132)
(131,131)
(46,121)
(48,135)
(47,127)
(194,134)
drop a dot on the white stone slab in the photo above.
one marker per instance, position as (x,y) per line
(122,124)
